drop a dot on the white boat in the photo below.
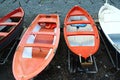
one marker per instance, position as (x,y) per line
(109,19)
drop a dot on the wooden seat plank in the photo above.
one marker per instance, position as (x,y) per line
(80,33)
(78,22)
(3,34)
(39,45)
(17,15)
(8,24)
(43,33)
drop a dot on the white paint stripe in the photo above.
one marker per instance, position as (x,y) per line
(54,40)
(50,51)
(55,30)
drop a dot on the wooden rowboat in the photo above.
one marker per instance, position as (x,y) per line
(80,32)
(10,27)
(109,18)
(37,47)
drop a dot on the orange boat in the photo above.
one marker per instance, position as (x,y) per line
(80,32)
(10,27)
(37,47)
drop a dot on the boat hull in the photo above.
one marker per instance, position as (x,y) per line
(80,32)
(37,47)
(109,22)
(14,35)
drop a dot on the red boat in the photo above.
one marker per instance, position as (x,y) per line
(80,32)
(10,27)
(37,47)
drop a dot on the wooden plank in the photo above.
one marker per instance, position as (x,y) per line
(43,33)
(39,45)
(17,15)
(78,22)
(3,34)
(48,20)
(78,14)
(80,33)
(8,24)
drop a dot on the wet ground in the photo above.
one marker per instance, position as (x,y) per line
(58,68)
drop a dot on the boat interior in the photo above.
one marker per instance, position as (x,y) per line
(6,26)
(80,39)
(44,34)
(110,22)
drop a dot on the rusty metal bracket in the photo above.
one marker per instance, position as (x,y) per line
(89,65)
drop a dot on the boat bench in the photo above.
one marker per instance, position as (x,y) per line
(8,24)
(16,15)
(80,33)
(3,34)
(42,33)
(78,22)
(39,45)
